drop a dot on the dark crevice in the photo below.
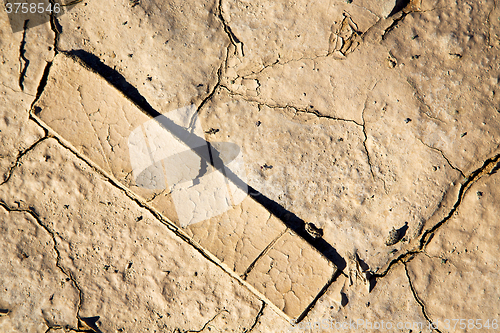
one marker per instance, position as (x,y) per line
(323,290)
(488,167)
(56,28)
(23,61)
(394,24)
(290,220)
(227,29)
(256,321)
(400,5)
(43,82)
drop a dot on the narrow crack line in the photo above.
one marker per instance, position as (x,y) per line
(14,90)
(365,134)
(487,167)
(394,24)
(56,28)
(52,234)
(444,156)
(420,98)
(220,74)
(20,155)
(256,321)
(488,21)
(205,325)
(23,61)
(323,290)
(288,106)
(42,84)
(369,11)
(279,63)
(263,253)
(365,138)
(227,29)
(419,301)
(318,114)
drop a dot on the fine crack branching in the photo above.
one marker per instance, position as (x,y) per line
(227,29)
(488,166)
(444,156)
(220,73)
(23,61)
(20,155)
(296,109)
(178,330)
(31,211)
(419,301)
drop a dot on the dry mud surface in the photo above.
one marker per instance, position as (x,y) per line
(250,166)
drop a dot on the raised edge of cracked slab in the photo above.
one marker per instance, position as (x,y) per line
(343,306)
(238,236)
(131,269)
(291,274)
(96,119)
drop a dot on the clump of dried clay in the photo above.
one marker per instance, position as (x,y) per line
(393,237)
(356,271)
(314,231)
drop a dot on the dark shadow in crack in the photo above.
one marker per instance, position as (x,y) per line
(402,231)
(400,4)
(90,322)
(291,220)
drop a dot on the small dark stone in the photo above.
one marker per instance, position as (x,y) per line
(212,131)
(314,231)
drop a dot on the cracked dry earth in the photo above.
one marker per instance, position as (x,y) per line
(364,186)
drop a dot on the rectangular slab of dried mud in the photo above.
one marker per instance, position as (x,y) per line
(291,274)
(98,121)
